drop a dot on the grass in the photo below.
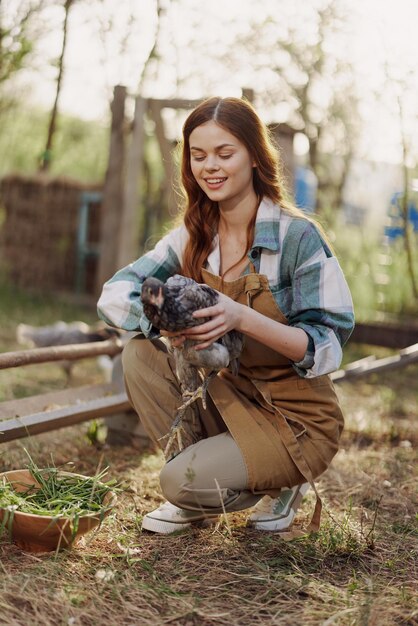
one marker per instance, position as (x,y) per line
(80,147)
(360,569)
(377,273)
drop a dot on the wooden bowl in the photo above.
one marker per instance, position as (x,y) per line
(41,533)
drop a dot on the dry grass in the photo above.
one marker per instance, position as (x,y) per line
(359,569)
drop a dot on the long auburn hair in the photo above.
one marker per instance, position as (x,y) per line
(200,214)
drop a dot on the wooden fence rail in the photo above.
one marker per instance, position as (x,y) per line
(71,352)
(57,409)
(371,365)
(66,407)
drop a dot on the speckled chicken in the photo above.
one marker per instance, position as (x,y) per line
(170,306)
(61,334)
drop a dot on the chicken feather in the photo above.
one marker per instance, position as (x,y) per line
(170,306)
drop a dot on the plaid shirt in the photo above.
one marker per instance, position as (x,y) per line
(305,279)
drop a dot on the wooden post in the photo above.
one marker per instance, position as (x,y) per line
(113,192)
(128,244)
(155,108)
(248,94)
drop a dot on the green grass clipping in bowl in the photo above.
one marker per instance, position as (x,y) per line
(59,495)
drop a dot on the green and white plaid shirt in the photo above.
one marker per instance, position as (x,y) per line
(305,279)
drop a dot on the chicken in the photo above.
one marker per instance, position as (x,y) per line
(170,306)
(61,334)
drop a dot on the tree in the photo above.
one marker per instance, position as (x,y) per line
(19,31)
(309,75)
(47,153)
(401,86)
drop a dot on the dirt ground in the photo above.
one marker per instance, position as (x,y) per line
(359,569)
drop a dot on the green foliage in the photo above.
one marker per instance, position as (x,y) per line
(18,305)
(59,493)
(96,433)
(14,55)
(80,150)
(17,36)
(376,272)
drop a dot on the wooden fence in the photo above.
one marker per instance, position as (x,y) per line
(49,411)
(39,238)
(57,409)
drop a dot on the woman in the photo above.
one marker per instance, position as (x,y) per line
(269,432)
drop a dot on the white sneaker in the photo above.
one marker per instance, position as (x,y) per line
(277,514)
(168,518)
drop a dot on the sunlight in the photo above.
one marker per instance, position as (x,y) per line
(200,43)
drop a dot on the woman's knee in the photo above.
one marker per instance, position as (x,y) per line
(172,480)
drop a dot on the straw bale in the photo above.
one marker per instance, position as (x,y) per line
(39,236)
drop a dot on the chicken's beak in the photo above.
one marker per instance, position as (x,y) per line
(159,299)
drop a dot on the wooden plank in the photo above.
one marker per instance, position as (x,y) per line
(112,192)
(37,423)
(388,335)
(248,94)
(55,399)
(175,103)
(360,363)
(164,144)
(405,357)
(59,353)
(166,156)
(128,244)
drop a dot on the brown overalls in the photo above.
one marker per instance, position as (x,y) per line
(287,428)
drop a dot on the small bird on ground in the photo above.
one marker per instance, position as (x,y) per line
(61,334)
(170,306)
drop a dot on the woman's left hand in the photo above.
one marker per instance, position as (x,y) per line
(225,316)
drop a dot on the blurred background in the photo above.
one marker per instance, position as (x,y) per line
(93,94)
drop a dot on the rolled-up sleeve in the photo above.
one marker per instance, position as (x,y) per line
(321,305)
(120,302)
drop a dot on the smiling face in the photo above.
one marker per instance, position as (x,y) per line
(221,164)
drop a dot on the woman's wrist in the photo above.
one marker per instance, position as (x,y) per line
(245,319)
(287,340)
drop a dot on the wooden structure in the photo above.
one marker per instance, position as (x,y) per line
(123,188)
(388,335)
(39,239)
(37,414)
(49,411)
(371,365)
(55,239)
(58,409)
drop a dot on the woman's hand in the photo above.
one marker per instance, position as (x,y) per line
(225,316)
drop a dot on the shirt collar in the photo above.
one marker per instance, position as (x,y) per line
(267,226)
(266,232)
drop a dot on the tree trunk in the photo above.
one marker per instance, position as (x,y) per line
(405,203)
(47,154)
